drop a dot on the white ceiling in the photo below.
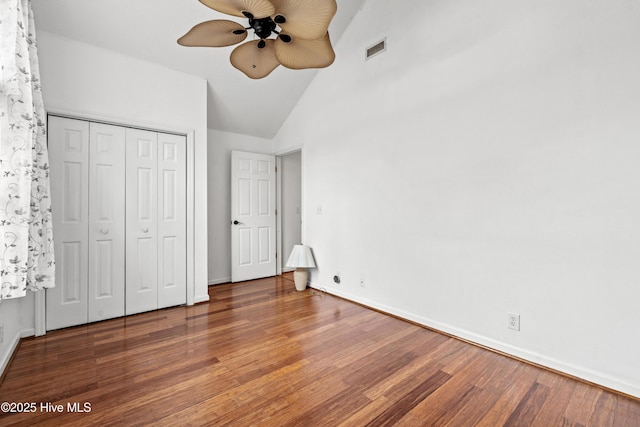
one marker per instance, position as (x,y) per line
(148,30)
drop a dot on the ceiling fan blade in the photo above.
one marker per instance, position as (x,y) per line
(216,33)
(257,8)
(255,62)
(307,19)
(299,53)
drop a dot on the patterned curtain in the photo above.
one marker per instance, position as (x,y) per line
(26,239)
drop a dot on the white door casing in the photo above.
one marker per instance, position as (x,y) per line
(106,222)
(253,216)
(66,303)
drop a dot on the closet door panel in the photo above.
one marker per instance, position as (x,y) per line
(172,269)
(106,222)
(141,221)
(66,303)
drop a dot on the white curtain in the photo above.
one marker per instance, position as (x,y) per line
(26,239)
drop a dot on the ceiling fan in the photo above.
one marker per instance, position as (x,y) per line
(299,26)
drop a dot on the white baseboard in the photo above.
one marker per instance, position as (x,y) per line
(213,282)
(219,281)
(27,333)
(589,375)
(202,298)
(5,358)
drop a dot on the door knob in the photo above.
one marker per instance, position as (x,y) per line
(104,231)
(236,222)
(145,230)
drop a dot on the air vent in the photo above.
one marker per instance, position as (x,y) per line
(376,49)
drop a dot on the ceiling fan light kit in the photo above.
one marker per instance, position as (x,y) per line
(300,29)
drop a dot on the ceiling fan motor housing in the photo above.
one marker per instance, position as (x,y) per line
(263,27)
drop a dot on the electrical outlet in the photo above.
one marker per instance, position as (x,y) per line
(1,334)
(362,285)
(513,321)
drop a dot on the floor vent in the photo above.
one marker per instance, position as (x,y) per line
(376,49)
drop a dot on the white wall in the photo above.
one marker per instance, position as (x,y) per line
(219,186)
(17,317)
(83,80)
(486,163)
(291,214)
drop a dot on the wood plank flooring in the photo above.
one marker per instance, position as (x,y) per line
(260,353)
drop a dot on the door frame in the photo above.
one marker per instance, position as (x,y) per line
(279,155)
(40,327)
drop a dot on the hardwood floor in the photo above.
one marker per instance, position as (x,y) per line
(260,353)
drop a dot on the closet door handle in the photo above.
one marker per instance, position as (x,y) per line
(104,231)
(145,230)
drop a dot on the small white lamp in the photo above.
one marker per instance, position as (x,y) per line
(301,258)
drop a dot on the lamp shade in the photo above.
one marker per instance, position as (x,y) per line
(301,257)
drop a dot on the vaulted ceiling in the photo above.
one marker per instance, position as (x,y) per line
(148,30)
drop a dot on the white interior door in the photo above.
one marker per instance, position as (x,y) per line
(142,221)
(172,220)
(106,221)
(66,304)
(253,216)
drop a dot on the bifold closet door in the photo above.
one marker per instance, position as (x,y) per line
(66,303)
(172,220)
(142,221)
(106,221)
(87,192)
(156,221)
